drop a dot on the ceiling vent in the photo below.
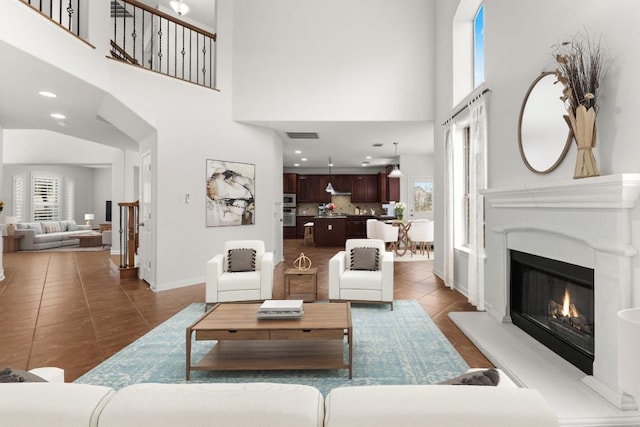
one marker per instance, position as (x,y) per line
(118,11)
(302,135)
(378,145)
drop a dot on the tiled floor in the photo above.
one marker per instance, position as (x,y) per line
(66,309)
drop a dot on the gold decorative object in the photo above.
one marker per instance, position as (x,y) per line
(302,263)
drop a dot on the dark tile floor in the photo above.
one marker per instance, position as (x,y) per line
(67,309)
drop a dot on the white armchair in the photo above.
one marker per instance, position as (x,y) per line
(371,229)
(353,278)
(248,284)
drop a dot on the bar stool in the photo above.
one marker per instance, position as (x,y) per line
(308,234)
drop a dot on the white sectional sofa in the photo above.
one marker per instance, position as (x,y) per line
(269,404)
(49,234)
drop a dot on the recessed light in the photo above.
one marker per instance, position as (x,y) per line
(47,94)
(330,165)
(304,159)
(298,152)
(296,164)
(368,157)
(58,116)
(365,163)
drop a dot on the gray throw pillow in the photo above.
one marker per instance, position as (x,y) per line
(367,259)
(240,260)
(9,375)
(72,227)
(486,377)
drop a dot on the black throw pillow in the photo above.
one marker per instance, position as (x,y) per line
(8,375)
(240,260)
(486,377)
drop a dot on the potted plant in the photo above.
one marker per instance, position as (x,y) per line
(581,71)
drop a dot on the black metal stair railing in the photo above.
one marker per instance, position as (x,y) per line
(66,13)
(154,40)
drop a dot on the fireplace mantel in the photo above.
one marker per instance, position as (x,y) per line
(604,192)
(590,222)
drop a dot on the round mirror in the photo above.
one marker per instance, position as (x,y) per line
(544,135)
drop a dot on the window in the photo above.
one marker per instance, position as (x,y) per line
(462,185)
(45,197)
(478,47)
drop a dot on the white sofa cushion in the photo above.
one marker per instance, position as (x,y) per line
(52,404)
(239,281)
(437,405)
(250,404)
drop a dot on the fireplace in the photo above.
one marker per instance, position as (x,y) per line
(553,301)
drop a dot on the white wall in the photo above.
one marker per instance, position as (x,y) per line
(333,60)
(515,58)
(192,125)
(519,37)
(100,193)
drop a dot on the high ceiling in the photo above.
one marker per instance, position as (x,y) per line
(349,144)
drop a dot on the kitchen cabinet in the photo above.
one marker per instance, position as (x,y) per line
(289,232)
(290,183)
(341,183)
(356,226)
(311,189)
(388,188)
(329,230)
(364,188)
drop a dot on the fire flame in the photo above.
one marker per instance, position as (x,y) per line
(568,309)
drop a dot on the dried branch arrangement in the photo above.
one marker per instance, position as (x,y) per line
(581,71)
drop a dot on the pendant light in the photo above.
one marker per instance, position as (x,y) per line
(329,188)
(395,173)
(179,7)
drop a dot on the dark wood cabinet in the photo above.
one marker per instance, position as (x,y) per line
(388,188)
(290,183)
(329,231)
(364,188)
(356,226)
(289,233)
(311,189)
(341,183)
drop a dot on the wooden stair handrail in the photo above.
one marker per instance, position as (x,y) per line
(124,55)
(171,18)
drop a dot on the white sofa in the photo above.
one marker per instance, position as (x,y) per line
(269,404)
(49,234)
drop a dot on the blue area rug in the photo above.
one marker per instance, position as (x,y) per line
(402,346)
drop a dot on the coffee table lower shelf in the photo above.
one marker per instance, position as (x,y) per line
(273,355)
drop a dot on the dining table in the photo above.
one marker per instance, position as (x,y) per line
(404,242)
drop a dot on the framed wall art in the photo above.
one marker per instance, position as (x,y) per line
(421,196)
(230,193)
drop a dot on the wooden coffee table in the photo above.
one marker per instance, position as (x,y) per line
(315,341)
(89,240)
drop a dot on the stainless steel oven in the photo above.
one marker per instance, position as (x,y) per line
(289,200)
(289,217)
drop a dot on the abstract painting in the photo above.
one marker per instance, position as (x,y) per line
(230,193)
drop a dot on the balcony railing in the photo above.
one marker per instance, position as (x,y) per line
(146,37)
(65,13)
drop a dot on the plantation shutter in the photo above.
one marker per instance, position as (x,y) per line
(19,198)
(46,198)
(70,198)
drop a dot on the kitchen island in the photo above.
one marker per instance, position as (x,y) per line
(334,230)
(330,230)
